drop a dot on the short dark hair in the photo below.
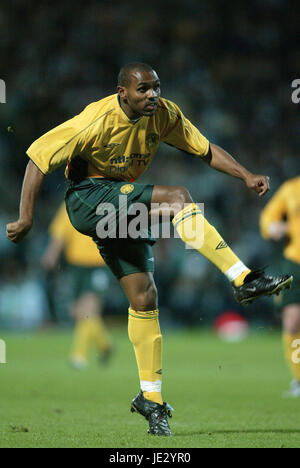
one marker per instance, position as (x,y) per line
(124,74)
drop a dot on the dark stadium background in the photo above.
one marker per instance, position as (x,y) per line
(228,65)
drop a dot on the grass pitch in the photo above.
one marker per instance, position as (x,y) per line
(224,395)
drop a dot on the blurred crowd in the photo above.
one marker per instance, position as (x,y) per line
(229,66)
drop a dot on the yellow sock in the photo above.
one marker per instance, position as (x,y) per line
(81,341)
(291,353)
(144,334)
(99,333)
(195,231)
(240,279)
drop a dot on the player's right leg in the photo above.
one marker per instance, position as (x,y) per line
(144,331)
(145,335)
(194,230)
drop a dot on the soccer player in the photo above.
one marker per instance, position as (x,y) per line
(106,148)
(279,220)
(90,280)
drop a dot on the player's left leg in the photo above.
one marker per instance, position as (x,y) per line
(291,340)
(194,230)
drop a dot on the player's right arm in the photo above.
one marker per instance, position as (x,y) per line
(46,154)
(32,183)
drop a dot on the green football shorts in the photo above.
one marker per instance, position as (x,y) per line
(291,296)
(123,256)
(89,280)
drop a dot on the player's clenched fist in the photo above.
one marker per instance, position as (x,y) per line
(259,183)
(17,231)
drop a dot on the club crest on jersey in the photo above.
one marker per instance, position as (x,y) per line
(128,188)
(152,140)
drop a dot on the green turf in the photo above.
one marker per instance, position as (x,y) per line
(224,395)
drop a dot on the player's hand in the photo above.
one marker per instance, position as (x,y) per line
(259,183)
(278,230)
(16,232)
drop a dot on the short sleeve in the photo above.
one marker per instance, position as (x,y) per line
(53,149)
(178,131)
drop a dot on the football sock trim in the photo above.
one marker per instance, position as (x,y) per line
(236,270)
(147,386)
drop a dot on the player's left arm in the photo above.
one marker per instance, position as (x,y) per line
(178,131)
(219,159)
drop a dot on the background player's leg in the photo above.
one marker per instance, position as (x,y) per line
(197,232)
(89,328)
(291,332)
(144,332)
(99,334)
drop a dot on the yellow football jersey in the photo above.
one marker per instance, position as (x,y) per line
(285,203)
(114,146)
(79,249)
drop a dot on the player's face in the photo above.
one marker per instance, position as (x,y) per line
(141,95)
